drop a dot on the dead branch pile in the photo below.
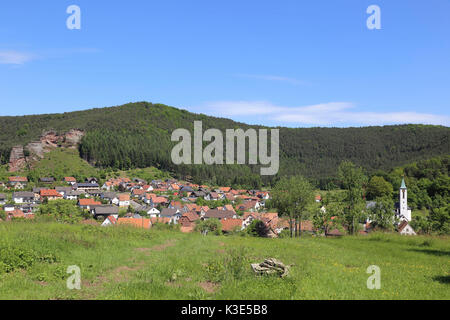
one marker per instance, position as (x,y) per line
(271,266)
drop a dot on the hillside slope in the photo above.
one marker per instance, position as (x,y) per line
(138,135)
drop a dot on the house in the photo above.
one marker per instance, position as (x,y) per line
(85,187)
(111,197)
(150,211)
(136,193)
(9,207)
(2,199)
(404,228)
(50,194)
(91,180)
(147,188)
(124,200)
(213,196)
(94,193)
(88,203)
(140,181)
(46,180)
(63,190)
(73,195)
(160,220)
(175,205)
(28,207)
(16,214)
(173,214)
(154,200)
(18,182)
(318,198)
(219,214)
(23,197)
(110,221)
(188,219)
(186,189)
(248,218)
(105,211)
(230,225)
(249,206)
(228,207)
(70,180)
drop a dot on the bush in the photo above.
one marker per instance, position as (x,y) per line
(233,266)
(21,258)
(209,225)
(258,229)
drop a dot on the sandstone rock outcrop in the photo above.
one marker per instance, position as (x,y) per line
(34,151)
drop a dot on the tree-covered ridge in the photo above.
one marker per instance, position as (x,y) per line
(138,135)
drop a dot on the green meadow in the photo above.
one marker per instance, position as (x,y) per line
(129,263)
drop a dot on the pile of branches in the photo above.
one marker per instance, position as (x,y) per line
(271,266)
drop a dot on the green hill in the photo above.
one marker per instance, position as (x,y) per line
(137,135)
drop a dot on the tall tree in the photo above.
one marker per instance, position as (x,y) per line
(382,214)
(378,187)
(293,197)
(353,181)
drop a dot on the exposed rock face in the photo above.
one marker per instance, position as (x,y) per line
(73,138)
(36,150)
(17,159)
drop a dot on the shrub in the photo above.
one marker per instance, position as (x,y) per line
(21,258)
(233,266)
(210,225)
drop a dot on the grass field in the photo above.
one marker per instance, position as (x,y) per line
(127,263)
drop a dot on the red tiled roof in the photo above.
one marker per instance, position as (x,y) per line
(17,214)
(89,202)
(191,216)
(159,200)
(124,197)
(50,193)
(70,179)
(231,224)
(135,222)
(160,220)
(18,179)
(138,192)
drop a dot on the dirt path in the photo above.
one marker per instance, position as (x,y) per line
(121,273)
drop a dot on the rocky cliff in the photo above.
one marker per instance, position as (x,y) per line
(24,156)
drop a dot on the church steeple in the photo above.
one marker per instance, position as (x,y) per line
(403,186)
(404,212)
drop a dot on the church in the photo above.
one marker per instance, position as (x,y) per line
(402,210)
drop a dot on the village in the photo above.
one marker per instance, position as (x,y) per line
(143,204)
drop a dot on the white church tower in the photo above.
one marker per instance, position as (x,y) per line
(404,212)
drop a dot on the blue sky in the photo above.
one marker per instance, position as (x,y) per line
(289,63)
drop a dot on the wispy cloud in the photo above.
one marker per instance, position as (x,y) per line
(325,114)
(15,57)
(272,78)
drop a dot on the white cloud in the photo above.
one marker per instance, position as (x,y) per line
(15,57)
(272,78)
(325,114)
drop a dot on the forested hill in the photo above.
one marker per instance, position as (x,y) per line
(138,135)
